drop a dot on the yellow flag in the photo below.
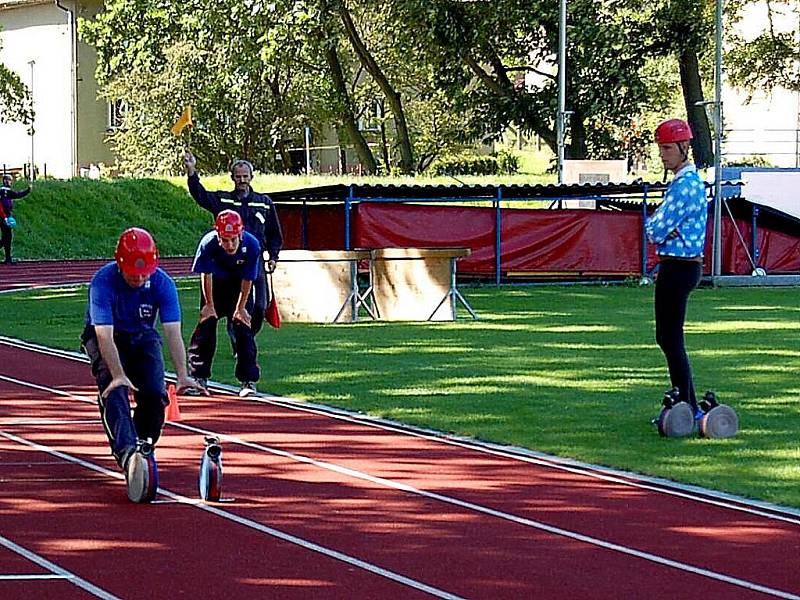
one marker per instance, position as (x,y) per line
(184,122)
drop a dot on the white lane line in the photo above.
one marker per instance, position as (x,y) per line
(633,480)
(287,537)
(42,422)
(58,572)
(713,499)
(497,513)
(461,504)
(22,576)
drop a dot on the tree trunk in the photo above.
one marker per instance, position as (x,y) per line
(577,147)
(286,157)
(696,113)
(385,148)
(391,95)
(345,111)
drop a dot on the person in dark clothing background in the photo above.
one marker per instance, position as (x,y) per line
(7,221)
(258,215)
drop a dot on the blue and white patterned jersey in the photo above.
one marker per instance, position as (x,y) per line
(683,211)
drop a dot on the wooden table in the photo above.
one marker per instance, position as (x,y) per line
(319,286)
(416,284)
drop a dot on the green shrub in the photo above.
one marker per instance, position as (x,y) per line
(508,163)
(465,164)
(750,161)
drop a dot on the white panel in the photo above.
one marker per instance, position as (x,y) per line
(778,190)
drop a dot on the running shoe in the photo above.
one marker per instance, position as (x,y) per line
(247,388)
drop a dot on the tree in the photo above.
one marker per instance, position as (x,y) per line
(769,60)
(684,28)
(481,52)
(391,95)
(15,98)
(239,64)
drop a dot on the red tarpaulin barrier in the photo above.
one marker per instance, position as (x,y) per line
(325,226)
(778,252)
(575,241)
(415,226)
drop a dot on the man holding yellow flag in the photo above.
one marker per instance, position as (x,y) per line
(259,217)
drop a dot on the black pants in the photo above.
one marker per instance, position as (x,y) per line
(143,362)
(259,309)
(7,236)
(203,344)
(676,280)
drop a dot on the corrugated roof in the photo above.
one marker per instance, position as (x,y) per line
(613,196)
(430,192)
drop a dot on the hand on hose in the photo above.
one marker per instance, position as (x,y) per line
(188,383)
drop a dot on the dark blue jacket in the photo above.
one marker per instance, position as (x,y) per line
(7,197)
(241,265)
(257,212)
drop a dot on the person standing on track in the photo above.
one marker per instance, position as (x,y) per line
(227,259)
(678,229)
(259,217)
(7,221)
(120,338)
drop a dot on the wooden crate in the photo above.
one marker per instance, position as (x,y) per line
(316,286)
(410,283)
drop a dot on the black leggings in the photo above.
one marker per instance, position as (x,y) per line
(7,235)
(676,280)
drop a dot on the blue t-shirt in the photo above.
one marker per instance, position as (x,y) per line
(131,310)
(684,210)
(242,264)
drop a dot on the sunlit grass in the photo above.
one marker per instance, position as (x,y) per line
(569,370)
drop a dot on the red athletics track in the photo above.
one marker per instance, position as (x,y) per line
(36,274)
(324,505)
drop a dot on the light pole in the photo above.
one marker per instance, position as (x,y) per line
(33,162)
(716,243)
(562,85)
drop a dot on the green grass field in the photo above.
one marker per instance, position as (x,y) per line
(572,371)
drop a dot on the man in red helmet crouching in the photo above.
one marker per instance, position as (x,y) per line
(120,338)
(227,259)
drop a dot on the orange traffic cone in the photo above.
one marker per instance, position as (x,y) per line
(173,410)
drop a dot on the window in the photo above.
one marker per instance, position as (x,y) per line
(116,114)
(371,116)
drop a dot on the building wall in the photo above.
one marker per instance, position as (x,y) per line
(62,142)
(39,32)
(92,112)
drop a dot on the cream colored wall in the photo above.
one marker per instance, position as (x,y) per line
(92,112)
(39,32)
(63,143)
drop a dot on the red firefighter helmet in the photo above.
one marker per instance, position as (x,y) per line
(136,252)
(228,224)
(673,130)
